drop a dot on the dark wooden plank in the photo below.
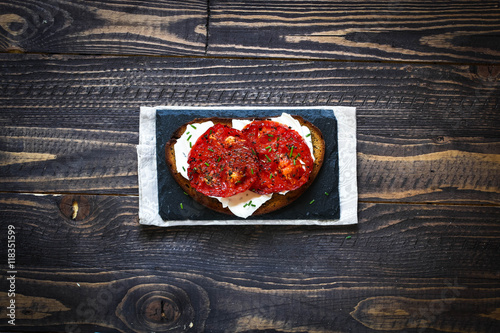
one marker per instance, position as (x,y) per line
(425,133)
(416,31)
(403,267)
(451,31)
(447,240)
(155,27)
(72,154)
(179,301)
(429,100)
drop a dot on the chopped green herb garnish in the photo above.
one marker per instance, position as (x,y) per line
(295,159)
(211,150)
(193,126)
(183,168)
(291,152)
(206,163)
(190,144)
(269,148)
(308,134)
(182,207)
(270,135)
(326,193)
(248,204)
(268,158)
(348,237)
(251,170)
(186,193)
(311,202)
(253,152)
(189,137)
(270,175)
(218,159)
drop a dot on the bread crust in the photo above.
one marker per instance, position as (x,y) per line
(277,201)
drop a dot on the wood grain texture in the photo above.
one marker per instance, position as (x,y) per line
(405,267)
(426,133)
(153,27)
(425,256)
(64,159)
(415,31)
(178,301)
(451,31)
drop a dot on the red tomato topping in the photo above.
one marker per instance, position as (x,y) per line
(285,161)
(222,163)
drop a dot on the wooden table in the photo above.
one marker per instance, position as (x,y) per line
(424,77)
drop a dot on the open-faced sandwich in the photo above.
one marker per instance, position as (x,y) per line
(245,166)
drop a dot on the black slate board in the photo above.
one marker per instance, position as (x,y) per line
(324,207)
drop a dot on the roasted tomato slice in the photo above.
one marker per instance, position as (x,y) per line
(285,161)
(222,162)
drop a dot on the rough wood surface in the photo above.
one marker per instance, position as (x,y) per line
(403,267)
(104,27)
(426,133)
(425,79)
(414,31)
(447,31)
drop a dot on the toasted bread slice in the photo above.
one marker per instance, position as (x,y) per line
(277,201)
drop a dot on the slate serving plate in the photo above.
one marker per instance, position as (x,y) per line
(324,207)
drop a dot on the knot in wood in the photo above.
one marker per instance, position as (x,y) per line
(486,73)
(162,309)
(440,139)
(75,207)
(158,307)
(13,24)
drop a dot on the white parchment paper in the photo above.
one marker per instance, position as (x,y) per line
(148,179)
